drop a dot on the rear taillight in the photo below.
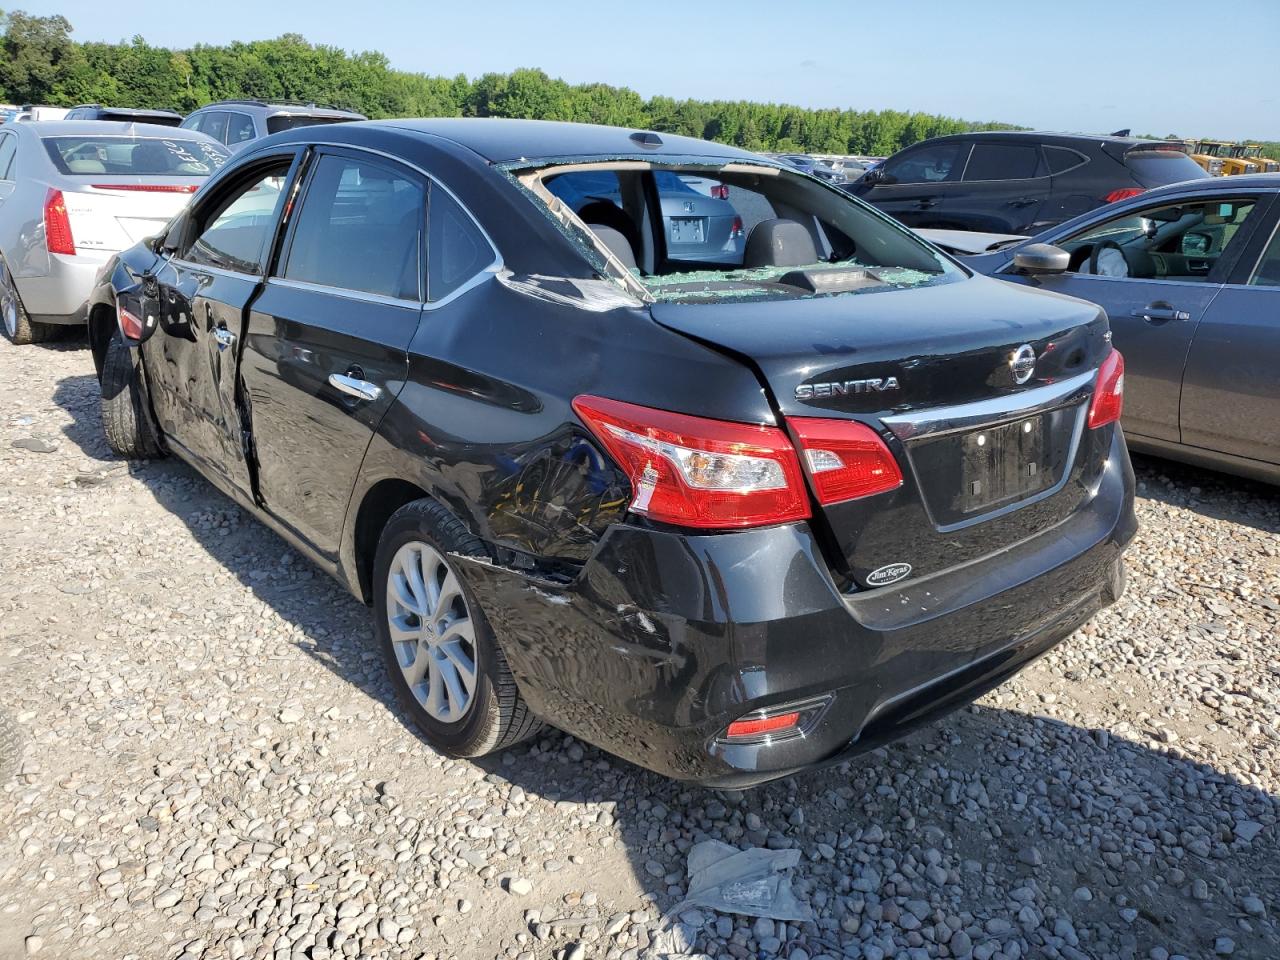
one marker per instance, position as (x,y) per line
(735,229)
(1122,194)
(697,472)
(845,460)
(130,324)
(57,225)
(720,191)
(148,187)
(1108,395)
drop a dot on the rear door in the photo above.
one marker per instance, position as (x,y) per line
(1231,389)
(915,182)
(326,346)
(1001,190)
(1159,267)
(204,291)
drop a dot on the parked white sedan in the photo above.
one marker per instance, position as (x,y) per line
(72,193)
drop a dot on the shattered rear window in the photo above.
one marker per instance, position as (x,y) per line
(680,229)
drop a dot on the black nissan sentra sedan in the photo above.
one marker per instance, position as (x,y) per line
(725,519)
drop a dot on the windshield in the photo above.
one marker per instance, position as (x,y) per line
(89,155)
(699,232)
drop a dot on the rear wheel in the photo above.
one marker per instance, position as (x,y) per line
(19,327)
(124,414)
(443,658)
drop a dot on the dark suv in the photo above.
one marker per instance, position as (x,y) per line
(727,519)
(96,111)
(1017,182)
(239,122)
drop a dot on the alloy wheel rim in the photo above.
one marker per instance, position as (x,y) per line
(8,304)
(432,633)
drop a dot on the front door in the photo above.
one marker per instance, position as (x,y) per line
(1155,270)
(1001,190)
(914,183)
(326,346)
(204,291)
(1231,391)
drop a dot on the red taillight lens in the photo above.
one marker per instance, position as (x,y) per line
(57,225)
(1122,194)
(1108,395)
(735,229)
(761,726)
(130,325)
(148,187)
(845,460)
(697,472)
(720,191)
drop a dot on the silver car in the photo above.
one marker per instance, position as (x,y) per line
(74,192)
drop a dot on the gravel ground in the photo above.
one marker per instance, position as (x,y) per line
(201,758)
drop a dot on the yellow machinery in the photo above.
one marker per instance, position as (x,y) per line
(1252,153)
(1210,154)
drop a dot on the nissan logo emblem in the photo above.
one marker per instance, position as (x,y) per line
(1023,363)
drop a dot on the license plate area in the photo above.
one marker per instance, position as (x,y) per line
(968,474)
(688,230)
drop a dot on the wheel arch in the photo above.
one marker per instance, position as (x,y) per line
(377,505)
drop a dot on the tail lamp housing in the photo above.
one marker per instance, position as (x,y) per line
(1108,393)
(57,224)
(698,472)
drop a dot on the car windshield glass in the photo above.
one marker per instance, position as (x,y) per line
(134,156)
(289,121)
(729,232)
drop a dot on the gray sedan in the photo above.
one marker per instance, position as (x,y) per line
(72,193)
(1190,277)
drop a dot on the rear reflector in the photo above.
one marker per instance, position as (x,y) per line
(57,225)
(697,472)
(130,325)
(763,725)
(1108,395)
(148,187)
(845,460)
(1122,194)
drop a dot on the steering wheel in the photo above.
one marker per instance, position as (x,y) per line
(1102,245)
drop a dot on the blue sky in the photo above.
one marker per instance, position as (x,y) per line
(1157,66)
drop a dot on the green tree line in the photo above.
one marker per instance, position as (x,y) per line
(41,63)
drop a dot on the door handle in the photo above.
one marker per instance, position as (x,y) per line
(926,204)
(223,337)
(1022,202)
(354,386)
(1160,312)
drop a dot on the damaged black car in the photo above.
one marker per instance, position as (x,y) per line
(655,440)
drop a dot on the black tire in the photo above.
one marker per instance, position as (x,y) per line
(124,413)
(497,716)
(18,326)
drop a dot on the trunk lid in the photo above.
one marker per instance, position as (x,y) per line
(113,213)
(987,461)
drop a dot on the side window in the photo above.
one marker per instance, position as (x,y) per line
(932,164)
(1002,161)
(1060,159)
(456,249)
(215,125)
(1268,272)
(8,147)
(239,128)
(1180,241)
(192,122)
(236,232)
(360,228)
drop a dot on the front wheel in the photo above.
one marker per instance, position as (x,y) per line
(444,661)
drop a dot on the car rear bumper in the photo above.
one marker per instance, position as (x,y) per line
(665,638)
(60,295)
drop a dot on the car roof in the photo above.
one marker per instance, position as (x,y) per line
(1048,136)
(103,128)
(1247,182)
(281,107)
(135,111)
(500,140)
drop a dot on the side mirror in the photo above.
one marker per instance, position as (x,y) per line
(175,237)
(1037,258)
(876,175)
